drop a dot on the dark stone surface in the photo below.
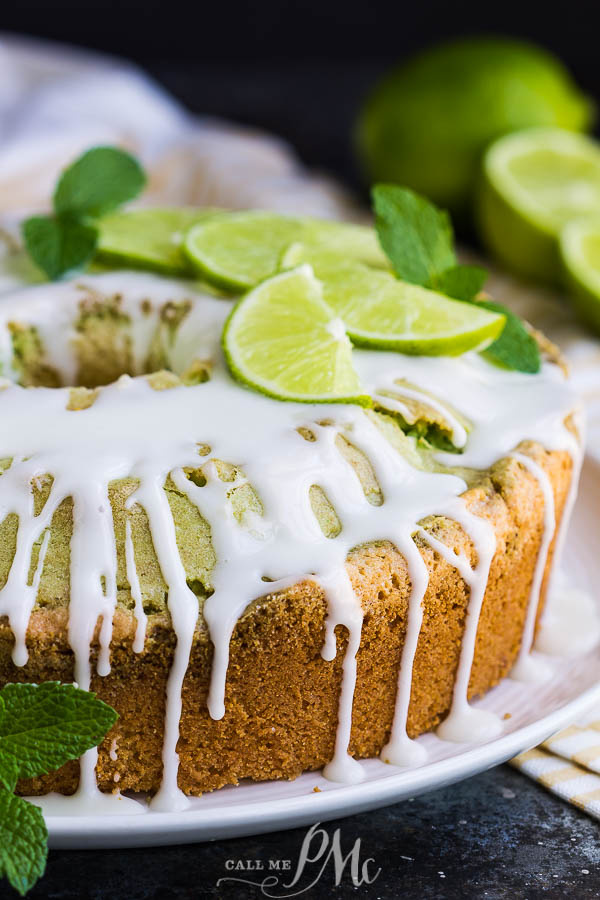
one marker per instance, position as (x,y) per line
(494,836)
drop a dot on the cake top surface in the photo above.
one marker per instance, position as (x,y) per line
(484,410)
(123,376)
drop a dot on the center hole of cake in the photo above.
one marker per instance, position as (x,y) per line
(104,342)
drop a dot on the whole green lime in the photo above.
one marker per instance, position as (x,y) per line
(427,122)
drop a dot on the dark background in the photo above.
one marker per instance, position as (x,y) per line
(299,69)
(288,30)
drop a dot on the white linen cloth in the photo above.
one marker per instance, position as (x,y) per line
(56,102)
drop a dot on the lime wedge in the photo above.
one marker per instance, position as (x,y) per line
(236,251)
(149,238)
(580,251)
(283,340)
(534,182)
(380,311)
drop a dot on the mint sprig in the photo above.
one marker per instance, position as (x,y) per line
(462,282)
(23,842)
(416,235)
(59,245)
(95,184)
(419,241)
(515,344)
(41,728)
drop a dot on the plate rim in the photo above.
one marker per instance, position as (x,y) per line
(263,815)
(199,825)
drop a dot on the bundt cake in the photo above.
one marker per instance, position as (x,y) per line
(263,588)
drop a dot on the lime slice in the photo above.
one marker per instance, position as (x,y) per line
(236,251)
(149,238)
(580,250)
(380,311)
(359,242)
(534,182)
(283,340)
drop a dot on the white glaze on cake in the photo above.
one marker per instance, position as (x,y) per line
(133,430)
(527,667)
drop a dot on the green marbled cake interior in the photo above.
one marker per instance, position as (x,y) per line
(103,352)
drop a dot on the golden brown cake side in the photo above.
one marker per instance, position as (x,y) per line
(281,696)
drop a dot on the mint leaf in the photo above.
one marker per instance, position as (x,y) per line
(23,842)
(462,282)
(416,235)
(95,184)
(59,245)
(43,726)
(516,348)
(98,182)
(9,773)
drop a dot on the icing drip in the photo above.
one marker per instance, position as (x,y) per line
(231,583)
(93,572)
(134,431)
(17,597)
(575,450)
(343,609)
(136,592)
(527,666)
(400,749)
(183,608)
(93,595)
(464,722)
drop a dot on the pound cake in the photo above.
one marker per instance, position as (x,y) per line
(263,588)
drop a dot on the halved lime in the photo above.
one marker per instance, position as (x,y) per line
(580,251)
(149,238)
(283,340)
(380,311)
(534,183)
(428,121)
(236,251)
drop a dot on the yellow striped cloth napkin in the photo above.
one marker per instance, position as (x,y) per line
(568,764)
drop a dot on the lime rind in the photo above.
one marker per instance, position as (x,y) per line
(575,244)
(534,182)
(381,312)
(582,153)
(236,251)
(580,255)
(282,340)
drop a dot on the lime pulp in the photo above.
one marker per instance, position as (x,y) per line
(580,253)
(382,312)
(283,340)
(534,183)
(236,251)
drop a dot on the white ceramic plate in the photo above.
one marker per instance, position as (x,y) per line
(536,711)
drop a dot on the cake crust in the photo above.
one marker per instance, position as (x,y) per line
(281,696)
